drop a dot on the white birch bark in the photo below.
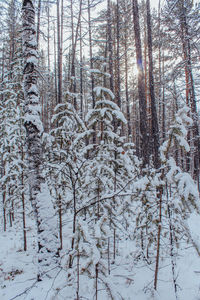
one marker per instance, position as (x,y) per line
(39,194)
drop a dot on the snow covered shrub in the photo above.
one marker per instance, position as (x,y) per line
(165,200)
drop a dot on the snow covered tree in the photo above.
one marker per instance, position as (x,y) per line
(67,157)
(164,214)
(12,130)
(39,194)
(181,17)
(106,171)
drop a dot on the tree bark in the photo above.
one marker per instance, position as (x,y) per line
(118,57)
(38,22)
(74,44)
(144,148)
(154,118)
(59,54)
(190,89)
(126,74)
(110,45)
(39,194)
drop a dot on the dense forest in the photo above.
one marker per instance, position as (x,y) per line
(100,149)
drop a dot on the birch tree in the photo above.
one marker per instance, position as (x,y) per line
(39,194)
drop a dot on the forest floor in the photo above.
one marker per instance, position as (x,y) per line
(128,281)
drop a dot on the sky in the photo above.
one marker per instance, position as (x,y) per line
(154,3)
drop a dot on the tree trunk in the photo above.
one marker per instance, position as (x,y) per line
(154,119)
(91,67)
(55,73)
(163,99)
(23,203)
(110,46)
(118,80)
(59,54)
(81,73)
(49,72)
(126,75)
(144,149)
(190,90)
(74,43)
(39,194)
(38,22)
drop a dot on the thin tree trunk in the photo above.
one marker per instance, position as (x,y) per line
(159,68)
(23,203)
(126,79)
(110,45)
(2,160)
(78,275)
(81,73)
(127,95)
(74,218)
(55,73)
(4,208)
(60,220)
(38,22)
(172,255)
(59,54)
(96,282)
(190,90)
(59,57)
(144,149)
(160,191)
(74,43)
(49,71)
(91,54)
(163,99)
(154,119)
(148,100)
(118,79)
(91,67)
(109,256)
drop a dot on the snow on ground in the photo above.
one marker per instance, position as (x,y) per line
(18,271)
